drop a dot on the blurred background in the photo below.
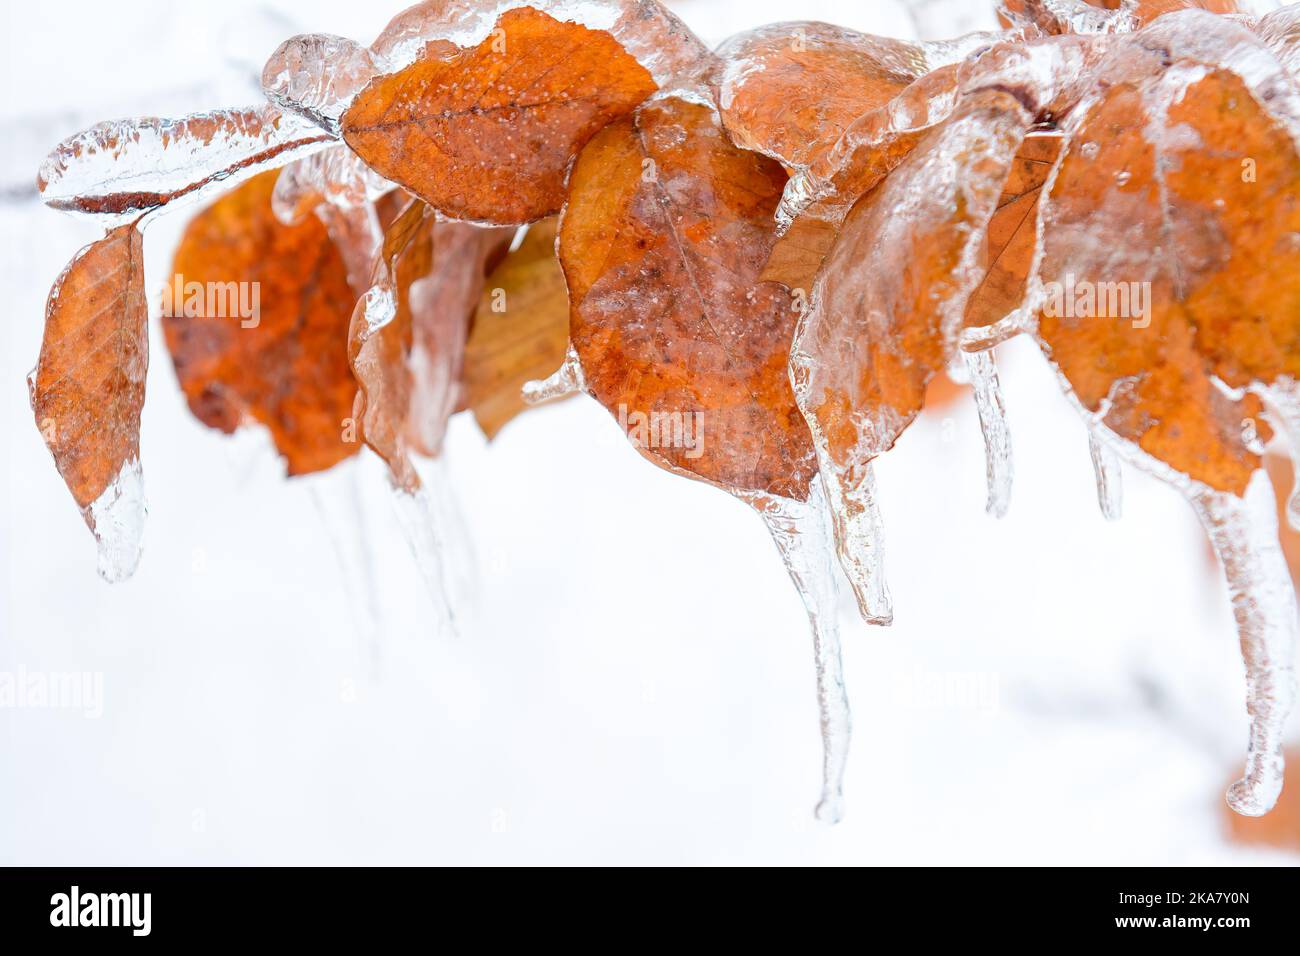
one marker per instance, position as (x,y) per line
(635,683)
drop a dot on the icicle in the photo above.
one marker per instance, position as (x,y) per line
(1244,534)
(567,380)
(1283,400)
(117,519)
(1106,468)
(426,539)
(338,501)
(993,422)
(860,540)
(800,532)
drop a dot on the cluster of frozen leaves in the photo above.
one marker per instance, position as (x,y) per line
(787,240)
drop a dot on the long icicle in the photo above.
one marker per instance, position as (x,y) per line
(1244,534)
(803,538)
(1110,477)
(998,467)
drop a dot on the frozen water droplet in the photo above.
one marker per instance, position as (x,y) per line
(568,379)
(1122,177)
(117,519)
(800,532)
(1244,534)
(998,467)
(1106,468)
(1090,150)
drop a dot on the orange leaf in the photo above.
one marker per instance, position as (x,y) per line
(790,89)
(1008,254)
(1185,229)
(520,331)
(258,326)
(88,388)
(667,228)
(488,133)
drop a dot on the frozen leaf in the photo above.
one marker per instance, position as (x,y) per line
(790,89)
(651,33)
(1142,324)
(88,390)
(256,316)
(667,227)
(520,331)
(886,311)
(408,332)
(121,170)
(488,133)
(817,199)
(1012,238)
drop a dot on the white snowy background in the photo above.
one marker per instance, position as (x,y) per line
(636,685)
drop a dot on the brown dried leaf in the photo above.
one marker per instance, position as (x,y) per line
(520,331)
(667,228)
(285,367)
(88,387)
(488,133)
(407,337)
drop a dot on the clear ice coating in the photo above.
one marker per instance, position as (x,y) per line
(998,467)
(117,519)
(567,380)
(317,76)
(1108,472)
(336,176)
(1244,534)
(801,535)
(1283,402)
(120,170)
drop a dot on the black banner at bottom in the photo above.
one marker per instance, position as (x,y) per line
(338,906)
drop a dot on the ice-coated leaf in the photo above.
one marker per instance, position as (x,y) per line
(520,331)
(1148,324)
(88,389)
(1012,238)
(120,170)
(887,308)
(488,133)
(256,316)
(666,230)
(789,90)
(1280,30)
(407,337)
(651,33)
